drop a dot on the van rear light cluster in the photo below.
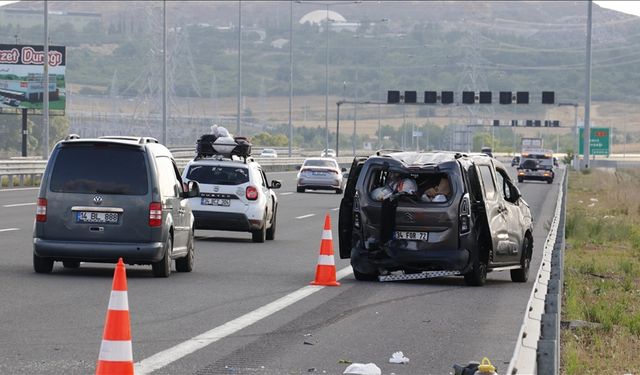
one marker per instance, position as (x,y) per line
(251,193)
(464,221)
(41,210)
(155,214)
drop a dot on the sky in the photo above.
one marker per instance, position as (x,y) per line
(630,7)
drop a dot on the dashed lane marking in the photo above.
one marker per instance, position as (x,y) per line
(305,216)
(9,229)
(19,204)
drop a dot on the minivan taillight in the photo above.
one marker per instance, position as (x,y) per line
(464,221)
(251,193)
(155,214)
(41,210)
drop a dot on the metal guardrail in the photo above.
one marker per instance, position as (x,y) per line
(537,348)
(10,170)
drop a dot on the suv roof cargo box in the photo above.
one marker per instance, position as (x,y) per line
(210,145)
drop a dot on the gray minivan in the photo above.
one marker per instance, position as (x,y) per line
(110,197)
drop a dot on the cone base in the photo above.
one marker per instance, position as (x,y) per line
(329,283)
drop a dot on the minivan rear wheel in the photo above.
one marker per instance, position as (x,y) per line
(185,264)
(42,265)
(364,276)
(478,274)
(162,268)
(522,275)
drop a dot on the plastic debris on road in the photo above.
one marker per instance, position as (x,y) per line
(398,357)
(363,369)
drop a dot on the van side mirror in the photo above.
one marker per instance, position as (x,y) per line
(193,190)
(344,169)
(276,184)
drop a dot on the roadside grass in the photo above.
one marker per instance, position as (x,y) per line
(602,273)
(27,181)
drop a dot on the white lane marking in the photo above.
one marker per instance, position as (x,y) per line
(168,356)
(305,216)
(20,204)
(335,209)
(9,229)
(289,193)
(19,189)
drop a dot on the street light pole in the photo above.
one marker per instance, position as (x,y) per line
(45,92)
(290,72)
(587,100)
(576,158)
(239,66)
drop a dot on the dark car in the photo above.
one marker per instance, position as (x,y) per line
(515,161)
(536,166)
(436,211)
(111,197)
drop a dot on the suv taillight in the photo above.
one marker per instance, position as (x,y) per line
(41,210)
(155,214)
(464,221)
(251,193)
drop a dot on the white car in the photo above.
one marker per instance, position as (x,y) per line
(328,153)
(320,174)
(268,153)
(234,196)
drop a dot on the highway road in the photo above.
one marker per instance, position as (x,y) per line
(52,324)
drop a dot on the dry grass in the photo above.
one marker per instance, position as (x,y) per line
(602,273)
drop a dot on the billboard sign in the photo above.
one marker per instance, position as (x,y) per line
(21,76)
(599,141)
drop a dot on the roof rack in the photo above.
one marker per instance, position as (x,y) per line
(72,136)
(385,151)
(140,140)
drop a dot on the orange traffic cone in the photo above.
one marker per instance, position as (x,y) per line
(326,269)
(116,354)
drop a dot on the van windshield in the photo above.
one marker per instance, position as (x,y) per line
(424,187)
(101,169)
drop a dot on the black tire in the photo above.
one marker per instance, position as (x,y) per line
(71,264)
(300,189)
(271,232)
(522,275)
(338,191)
(550,181)
(42,265)
(162,268)
(478,274)
(260,235)
(185,264)
(520,179)
(364,276)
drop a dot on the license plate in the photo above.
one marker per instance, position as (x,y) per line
(92,217)
(318,173)
(216,202)
(417,236)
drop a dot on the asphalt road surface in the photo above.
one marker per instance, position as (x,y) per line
(52,324)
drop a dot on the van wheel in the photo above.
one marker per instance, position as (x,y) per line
(271,232)
(520,179)
(185,264)
(478,274)
(71,264)
(364,276)
(549,181)
(338,191)
(522,275)
(162,268)
(300,189)
(261,234)
(42,265)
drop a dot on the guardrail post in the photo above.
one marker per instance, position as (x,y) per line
(546,358)
(10,181)
(21,179)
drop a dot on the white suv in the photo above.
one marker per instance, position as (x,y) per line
(234,196)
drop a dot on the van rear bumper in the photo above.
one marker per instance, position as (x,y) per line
(100,252)
(393,258)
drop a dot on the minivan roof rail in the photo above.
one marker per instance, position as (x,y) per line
(140,140)
(385,151)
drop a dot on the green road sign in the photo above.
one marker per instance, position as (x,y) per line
(599,141)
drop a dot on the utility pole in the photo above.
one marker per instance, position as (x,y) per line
(164,72)
(239,67)
(45,91)
(587,102)
(290,72)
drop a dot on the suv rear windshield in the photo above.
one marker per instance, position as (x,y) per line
(100,169)
(218,175)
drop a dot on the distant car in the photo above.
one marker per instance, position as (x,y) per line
(328,153)
(16,102)
(487,151)
(6,100)
(515,161)
(268,153)
(536,165)
(320,174)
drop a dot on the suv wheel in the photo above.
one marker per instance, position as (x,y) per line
(185,264)
(478,274)
(364,276)
(550,180)
(522,275)
(520,179)
(162,268)
(42,265)
(300,189)
(71,264)
(338,191)
(261,234)
(271,232)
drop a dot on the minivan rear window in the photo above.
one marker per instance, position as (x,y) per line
(218,175)
(100,169)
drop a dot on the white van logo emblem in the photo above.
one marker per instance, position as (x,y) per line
(97,200)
